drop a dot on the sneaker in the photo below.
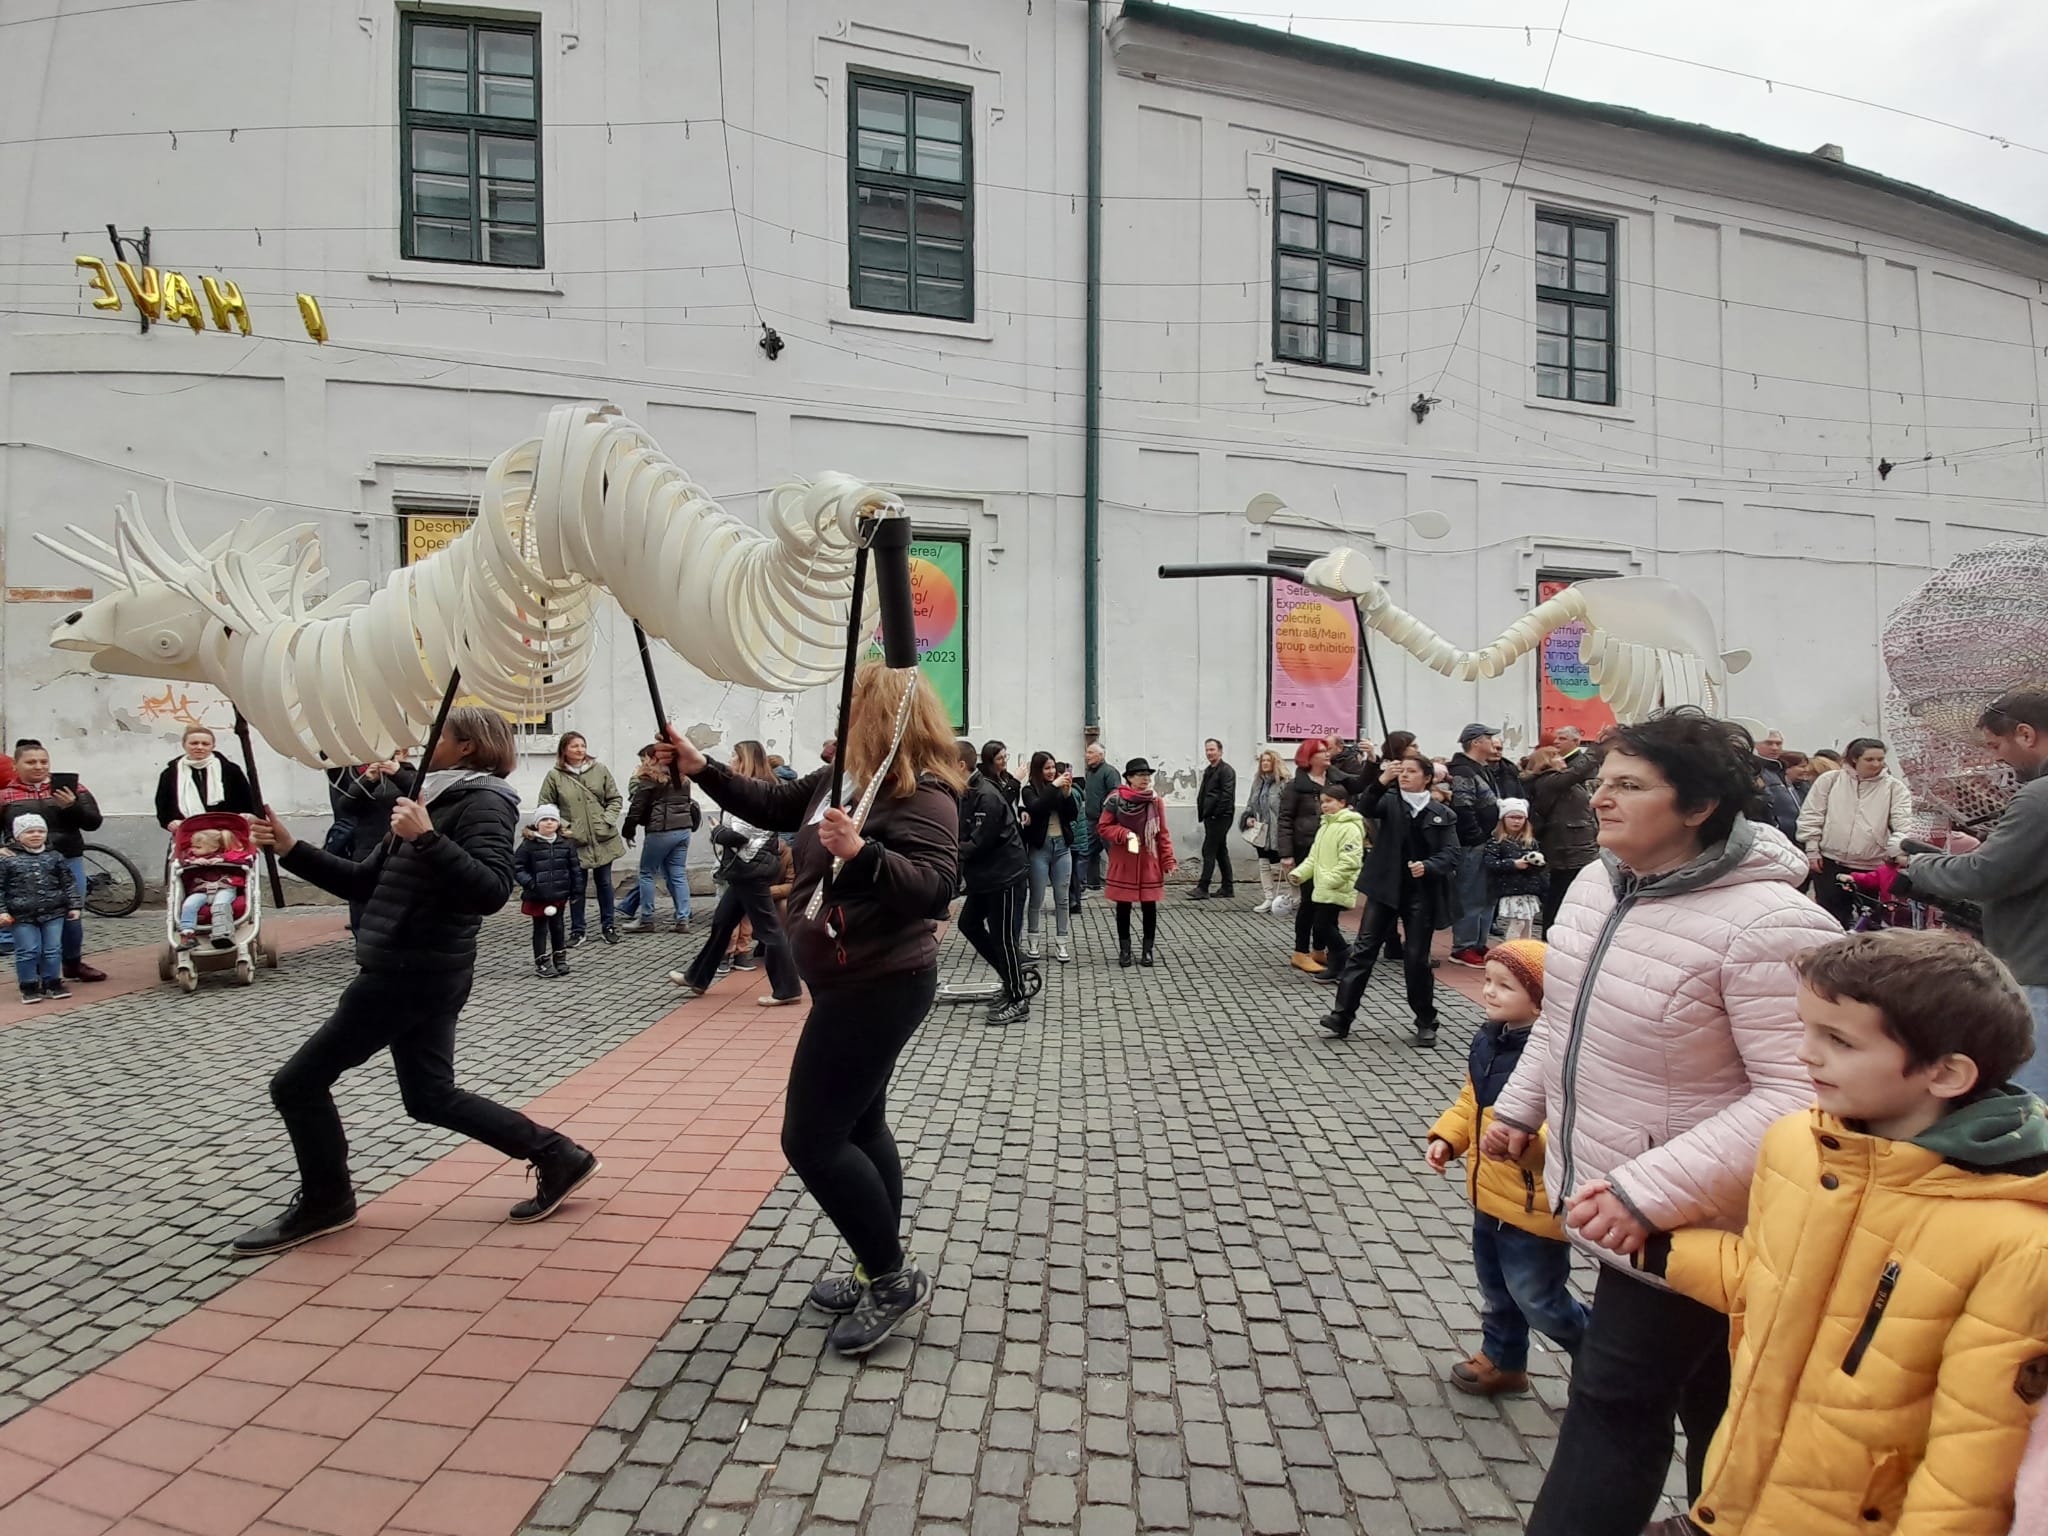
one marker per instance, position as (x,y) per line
(188,940)
(1480,1377)
(56,990)
(1199,893)
(555,1182)
(644,925)
(887,1304)
(561,965)
(682,980)
(300,1223)
(839,1294)
(575,939)
(1335,1025)
(745,963)
(1061,953)
(1030,947)
(681,925)
(772,1001)
(544,969)
(611,935)
(1018,1012)
(32,993)
(724,967)
(78,970)
(1476,958)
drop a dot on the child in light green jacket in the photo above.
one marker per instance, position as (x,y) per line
(1331,874)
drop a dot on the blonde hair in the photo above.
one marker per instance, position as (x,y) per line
(1543,759)
(750,760)
(928,740)
(1279,768)
(1528,837)
(493,748)
(209,841)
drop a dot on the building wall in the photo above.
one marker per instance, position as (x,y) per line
(694,173)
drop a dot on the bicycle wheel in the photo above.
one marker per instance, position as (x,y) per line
(113,885)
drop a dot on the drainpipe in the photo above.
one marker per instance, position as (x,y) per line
(1091,492)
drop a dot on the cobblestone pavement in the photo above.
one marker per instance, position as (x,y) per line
(139,1133)
(1192,1275)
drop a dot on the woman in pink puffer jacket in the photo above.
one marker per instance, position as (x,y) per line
(1668,1044)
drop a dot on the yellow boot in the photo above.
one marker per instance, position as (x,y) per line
(1307,963)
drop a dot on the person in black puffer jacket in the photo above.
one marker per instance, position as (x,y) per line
(869,954)
(37,896)
(994,871)
(1561,807)
(549,872)
(425,892)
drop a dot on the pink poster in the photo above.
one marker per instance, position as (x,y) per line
(1313,681)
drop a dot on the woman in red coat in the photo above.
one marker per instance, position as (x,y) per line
(1133,829)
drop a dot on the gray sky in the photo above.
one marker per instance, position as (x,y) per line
(1979,63)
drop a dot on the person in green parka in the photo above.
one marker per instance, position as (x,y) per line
(1331,874)
(591,808)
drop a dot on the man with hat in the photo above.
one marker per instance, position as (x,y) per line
(1480,780)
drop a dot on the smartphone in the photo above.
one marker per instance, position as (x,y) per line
(64,781)
(1060,768)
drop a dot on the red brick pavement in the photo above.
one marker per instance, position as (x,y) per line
(432,1369)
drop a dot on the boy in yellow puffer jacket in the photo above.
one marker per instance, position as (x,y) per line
(1889,1294)
(1330,873)
(1518,1245)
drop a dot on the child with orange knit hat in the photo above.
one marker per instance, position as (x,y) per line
(1518,1244)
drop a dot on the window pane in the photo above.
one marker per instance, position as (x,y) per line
(1297,197)
(504,96)
(442,242)
(433,150)
(1297,306)
(1589,244)
(1588,320)
(1298,230)
(1550,272)
(941,218)
(884,152)
(883,253)
(884,111)
(1344,315)
(880,290)
(1346,351)
(1589,276)
(1345,282)
(505,53)
(505,159)
(439,93)
(941,259)
(1343,240)
(440,48)
(939,118)
(1550,351)
(1590,354)
(1552,316)
(1299,272)
(1590,386)
(883,208)
(512,246)
(510,202)
(441,197)
(1301,341)
(947,300)
(1343,207)
(1551,239)
(938,160)
(1550,383)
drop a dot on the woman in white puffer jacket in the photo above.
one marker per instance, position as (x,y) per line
(1667,1046)
(1854,819)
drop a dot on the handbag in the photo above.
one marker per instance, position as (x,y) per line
(1255,834)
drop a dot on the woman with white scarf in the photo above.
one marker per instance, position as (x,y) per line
(200,781)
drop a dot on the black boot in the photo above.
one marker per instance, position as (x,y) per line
(1340,1027)
(555,1181)
(1146,958)
(1124,957)
(300,1223)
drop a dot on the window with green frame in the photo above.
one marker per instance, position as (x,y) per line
(1574,307)
(1319,265)
(469,136)
(911,185)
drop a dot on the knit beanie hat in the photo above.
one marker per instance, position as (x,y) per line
(543,813)
(1524,961)
(1513,807)
(30,822)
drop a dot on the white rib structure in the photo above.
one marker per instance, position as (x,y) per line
(591,504)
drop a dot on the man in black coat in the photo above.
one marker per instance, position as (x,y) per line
(995,874)
(1216,806)
(1480,779)
(425,892)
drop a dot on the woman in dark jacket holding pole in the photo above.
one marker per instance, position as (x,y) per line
(1407,877)
(863,912)
(425,892)
(1561,810)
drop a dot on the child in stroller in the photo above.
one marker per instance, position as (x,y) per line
(215,874)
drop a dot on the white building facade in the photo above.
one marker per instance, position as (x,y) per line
(1598,342)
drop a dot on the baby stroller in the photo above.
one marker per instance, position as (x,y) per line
(246,945)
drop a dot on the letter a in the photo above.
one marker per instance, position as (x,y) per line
(180,303)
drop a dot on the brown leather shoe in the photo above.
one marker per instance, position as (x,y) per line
(78,970)
(1306,963)
(1479,1377)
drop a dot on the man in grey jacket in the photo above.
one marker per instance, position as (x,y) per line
(2008,876)
(1097,785)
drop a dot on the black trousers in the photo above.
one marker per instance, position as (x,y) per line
(1649,1356)
(412,1015)
(1829,891)
(835,1123)
(1216,853)
(1325,933)
(1554,893)
(1414,917)
(990,920)
(1150,926)
(747,899)
(547,933)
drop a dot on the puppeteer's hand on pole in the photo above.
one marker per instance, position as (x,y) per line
(271,833)
(836,830)
(683,752)
(409,819)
